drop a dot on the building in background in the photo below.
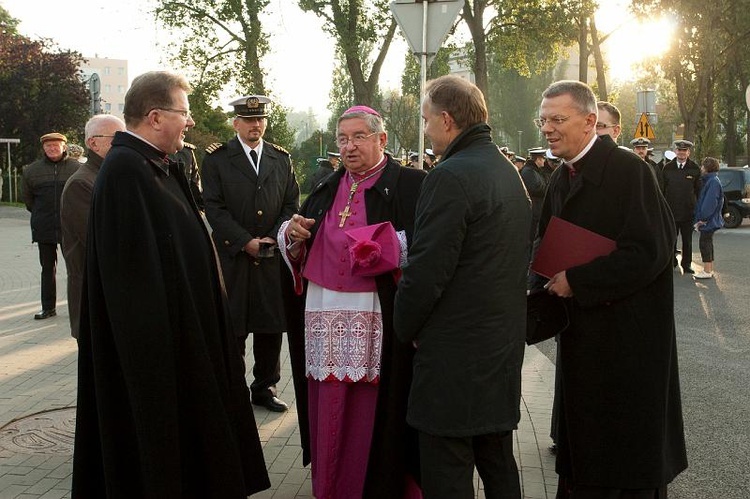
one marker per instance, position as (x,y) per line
(113,82)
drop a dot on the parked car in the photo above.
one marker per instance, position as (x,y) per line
(736,185)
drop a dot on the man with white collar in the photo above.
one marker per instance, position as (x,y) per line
(621,430)
(249,190)
(163,409)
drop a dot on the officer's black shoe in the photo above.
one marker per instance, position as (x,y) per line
(688,270)
(274,404)
(45,314)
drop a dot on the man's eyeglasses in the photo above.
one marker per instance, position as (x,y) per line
(357,140)
(555,121)
(102,136)
(185,113)
(601,126)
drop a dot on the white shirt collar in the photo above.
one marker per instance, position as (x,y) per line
(585,150)
(142,139)
(247,148)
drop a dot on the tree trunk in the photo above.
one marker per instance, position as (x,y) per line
(596,47)
(474,20)
(731,138)
(583,51)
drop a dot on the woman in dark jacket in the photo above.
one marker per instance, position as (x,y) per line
(707,218)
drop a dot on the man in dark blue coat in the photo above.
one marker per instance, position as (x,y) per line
(620,432)
(461,301)
(249,190)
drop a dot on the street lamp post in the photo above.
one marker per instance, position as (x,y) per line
(520,132)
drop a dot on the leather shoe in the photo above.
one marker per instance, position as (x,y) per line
(688,270)
(45,314)
(274,404)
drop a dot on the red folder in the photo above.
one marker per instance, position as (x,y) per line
(566,245)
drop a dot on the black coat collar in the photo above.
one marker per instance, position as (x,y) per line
(158,159)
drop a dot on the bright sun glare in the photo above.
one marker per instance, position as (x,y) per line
(631,39)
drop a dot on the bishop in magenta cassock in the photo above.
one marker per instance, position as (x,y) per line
(344,250)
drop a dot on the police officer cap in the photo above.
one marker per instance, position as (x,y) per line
(683,144)
(548,154)
(413,155)
(430,153)
(251,106)
(640,141)
(53,136)
(519,159)
(332,154)
(537,151)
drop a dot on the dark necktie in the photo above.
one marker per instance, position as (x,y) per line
(254,157)
(680,165)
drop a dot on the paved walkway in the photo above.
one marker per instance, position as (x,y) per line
(38,379)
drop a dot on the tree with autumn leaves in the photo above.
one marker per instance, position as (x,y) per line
(41,91)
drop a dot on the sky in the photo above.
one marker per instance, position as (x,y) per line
(302,54)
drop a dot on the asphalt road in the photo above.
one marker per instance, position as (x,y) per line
(713,340)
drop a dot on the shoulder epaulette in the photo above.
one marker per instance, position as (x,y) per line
(189,145)
(279,148)
(214,147)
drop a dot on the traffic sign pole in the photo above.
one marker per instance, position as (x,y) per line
(414,21)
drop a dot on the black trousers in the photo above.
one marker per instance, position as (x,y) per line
(706,245)
(267,366)
(685,230)
(568,490)
(447,465)
(48,261)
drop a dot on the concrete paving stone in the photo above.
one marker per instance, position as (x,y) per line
(21,470)
(54,494)
(13,459)
(297,475)
(66,483)
(12,490)
(64,471)
(286,490)
(28,479)
(53,462)
(42,486)
(533,475)
(280,465)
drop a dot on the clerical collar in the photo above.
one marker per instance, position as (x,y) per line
(144,140)
(164,165)
(357,177)
(583,152)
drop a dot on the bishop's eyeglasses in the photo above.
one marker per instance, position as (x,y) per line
(358,139)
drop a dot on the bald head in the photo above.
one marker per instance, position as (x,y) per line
(99,133)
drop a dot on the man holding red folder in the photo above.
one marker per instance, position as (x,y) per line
(621,428)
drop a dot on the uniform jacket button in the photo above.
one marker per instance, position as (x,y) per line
(260,213)
(227,243)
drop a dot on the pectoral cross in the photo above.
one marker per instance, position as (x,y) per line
(344,215)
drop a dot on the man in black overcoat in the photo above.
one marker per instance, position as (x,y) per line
(681,184)
(249,190)
(461,301)
(621,429)
(163,411)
